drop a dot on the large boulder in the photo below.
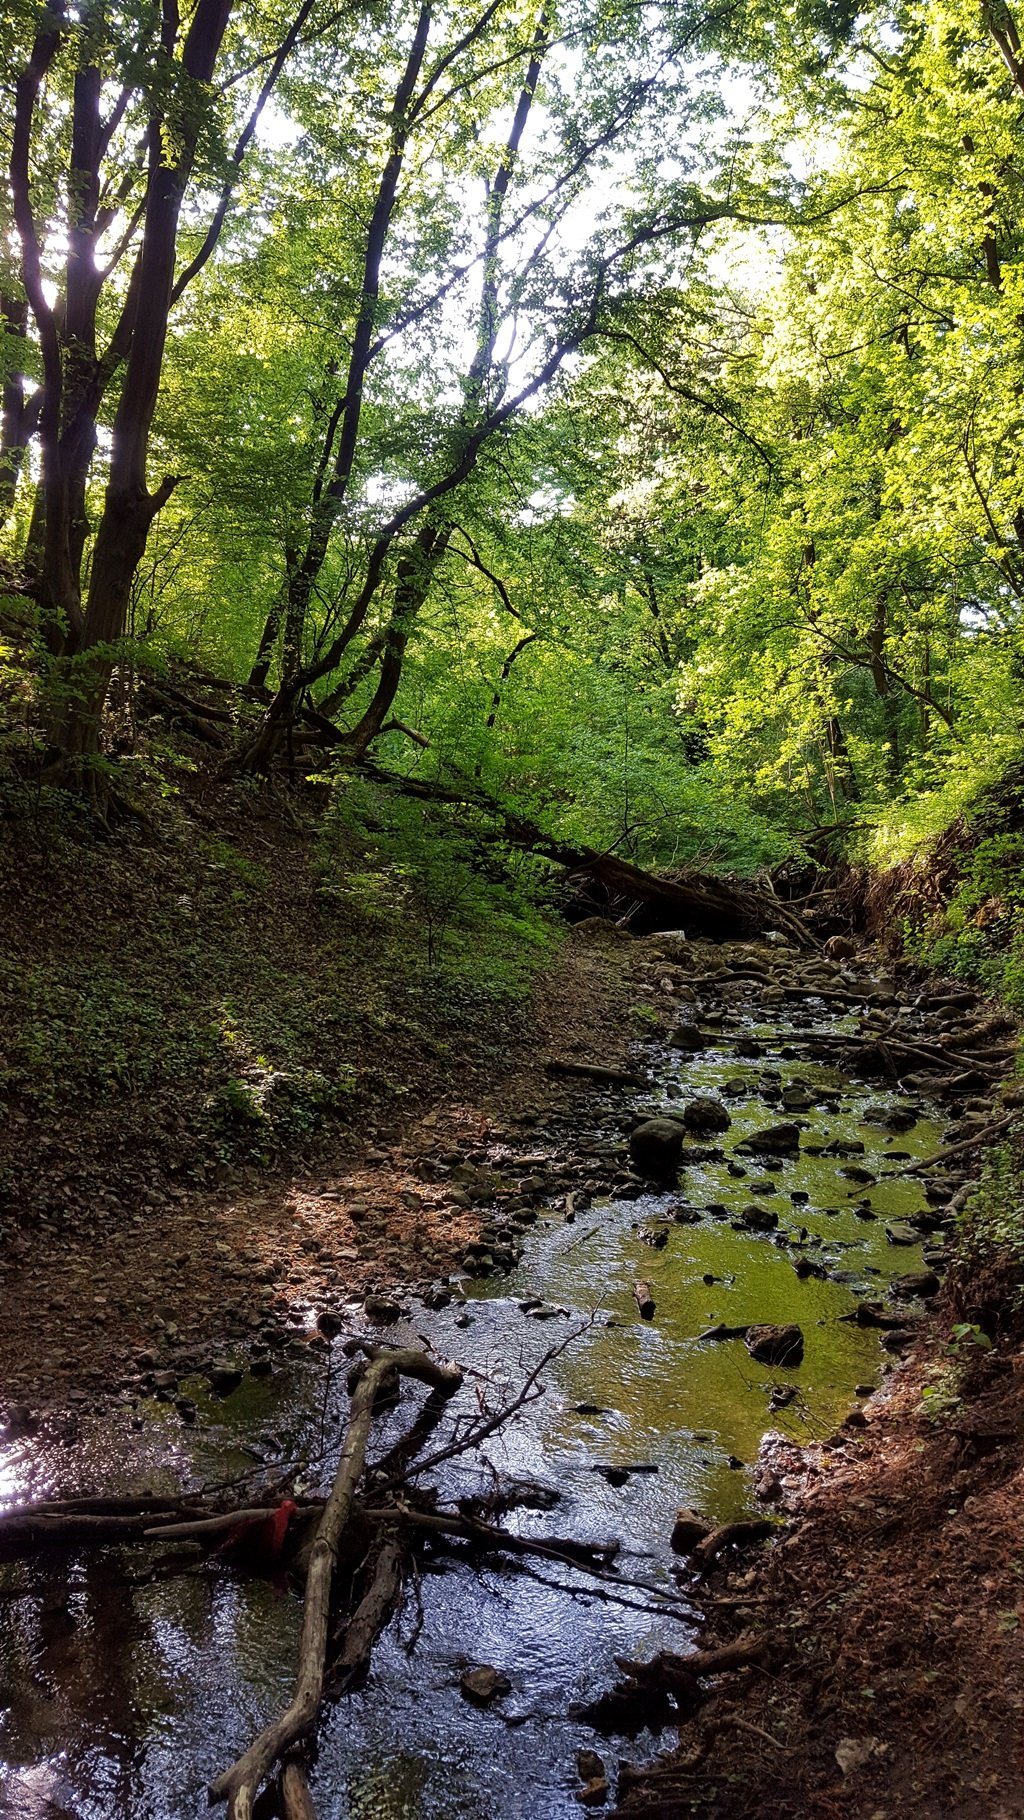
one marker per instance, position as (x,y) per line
(705,1114)
(771,1345)
(656,1147)
(774,1140)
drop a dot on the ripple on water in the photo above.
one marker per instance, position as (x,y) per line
(127,1689)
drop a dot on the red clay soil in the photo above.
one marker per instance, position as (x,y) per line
(895,1601)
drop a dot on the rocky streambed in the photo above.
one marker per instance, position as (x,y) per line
(737,1247)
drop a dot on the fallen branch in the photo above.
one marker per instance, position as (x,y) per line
(730,1535)
(594,1071)
(239,1784)
(983,1136)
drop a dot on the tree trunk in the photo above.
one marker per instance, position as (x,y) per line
(415,574)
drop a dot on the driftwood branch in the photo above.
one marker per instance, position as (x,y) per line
(239,1784)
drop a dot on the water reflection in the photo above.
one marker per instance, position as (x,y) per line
(127,1686)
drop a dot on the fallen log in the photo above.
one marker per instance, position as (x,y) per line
(239,1784)
(697,900)
(666,1667)
(982,1136)
(594,1071)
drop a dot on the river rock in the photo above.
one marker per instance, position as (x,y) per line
(705,1114)
(774,1140)
(797,1098)
(223,1377)
(688,1529)
(898,1233)
(916,1282)
(656,1147)
(757,1218)
(771,1345)
(588,1765)
(839,948)
(381,1310)
(687,1037)
(483,1684)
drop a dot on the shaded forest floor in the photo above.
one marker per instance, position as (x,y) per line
(192,1113)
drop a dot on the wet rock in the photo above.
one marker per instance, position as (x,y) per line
(588,1765)
(483,1684)
(381,1310)
(899,1339)
(775,1345)
(839,948)
(806,1267)
(656,1147)
(329,1322)
(615,1475)
(595,1794)
(688,1529)
(21,1420)
(655,1236)
(223,1377)
(749,1046)
(688,1038)
(797,1098)
(757,1218)
(705,1114)
(774,1140)
(915,1283)
(898,1233)
(873,1314)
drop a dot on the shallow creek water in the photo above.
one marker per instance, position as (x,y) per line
(123,1691)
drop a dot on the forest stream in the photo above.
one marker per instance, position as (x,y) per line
(133,1679)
